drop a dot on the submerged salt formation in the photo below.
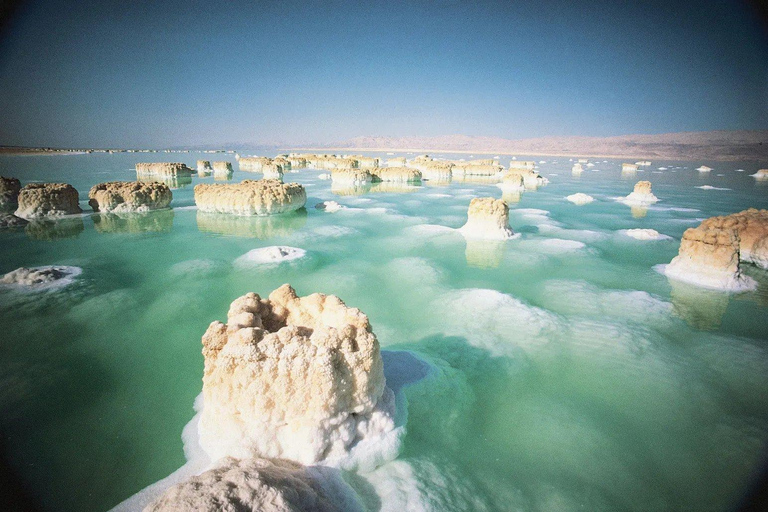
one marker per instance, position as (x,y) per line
(641,195)
(47,200)
(709,257)
(396,174)
(263,485)
(204,167)
(488,218)
(129,196)
(580,198)
(263,197)
(292,377)
(762,174)
(163,169)
(351,177)
(9,193)
(39,277)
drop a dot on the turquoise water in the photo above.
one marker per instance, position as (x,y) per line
(560,377)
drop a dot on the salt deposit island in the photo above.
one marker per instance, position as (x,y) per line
(293,392)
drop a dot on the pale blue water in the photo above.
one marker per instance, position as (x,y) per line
(559,378)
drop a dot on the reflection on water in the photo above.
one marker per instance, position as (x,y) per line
(628,174)
(701,308)
(222,176)
(484,253)
(55,229)
(511,197)
(173,182)
(393,187)
(436,183)
(349,190)
(252,226)
(156,221)
(638,212)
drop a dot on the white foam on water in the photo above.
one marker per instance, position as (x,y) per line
(710,187)
(644,234)
(269,256)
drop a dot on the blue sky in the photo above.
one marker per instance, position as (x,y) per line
(185,73)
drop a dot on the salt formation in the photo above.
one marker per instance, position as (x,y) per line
(222,167)
(263,197)
(645,234)
(475,169)
(751,227)
(641,195)
(396,174)
(47,199)
(487,218)
(531,179)
(351,177)
(253,164)
(329,206)
(264,485)
(283,163)
(436,171)
(367,162)
(37,278)
(8,220)
(709,257)
(272,172)
(512,182)
(204,167)
(129,196)
(577,169)
(269,255)
(163,169)
(762,174)
(9,193)
(296,378)
(580,198)
(522,164)
(629,167)
(644,163)
(173,182)
(704,168)
(399,161)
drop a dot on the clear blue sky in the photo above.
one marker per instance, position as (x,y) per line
(107,73)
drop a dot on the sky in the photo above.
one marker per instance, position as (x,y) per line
(159,74)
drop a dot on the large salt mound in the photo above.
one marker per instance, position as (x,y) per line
(40,278)
(253,164)
(129,196)
(163,169)
(296,378)
(264,485)
(396,174)
(709,257)
(269,255)
(46,200)
(580,198)
(351,177)
(488,218)
(263,197)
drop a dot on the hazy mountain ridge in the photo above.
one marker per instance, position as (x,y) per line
(714,145)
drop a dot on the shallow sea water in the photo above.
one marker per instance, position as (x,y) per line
(556,371)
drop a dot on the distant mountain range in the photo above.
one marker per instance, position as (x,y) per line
(715,145)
